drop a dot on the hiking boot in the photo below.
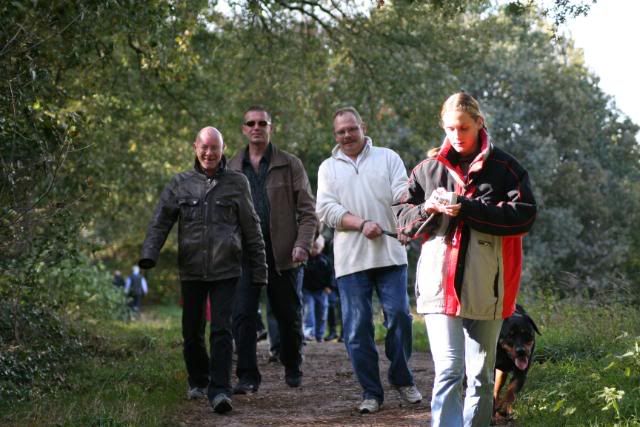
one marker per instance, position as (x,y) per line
(196,393)
(245,387)
(410,394)
(369,406)
(221,404)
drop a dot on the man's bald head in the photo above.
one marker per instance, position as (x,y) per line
(209,146)
(209,133)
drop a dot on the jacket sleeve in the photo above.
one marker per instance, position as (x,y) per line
(398,174)
(305,206)
(252,240)
(509,217)
(164,216)
(328,206)
(408,210)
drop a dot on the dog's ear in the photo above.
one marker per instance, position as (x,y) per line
(533,324)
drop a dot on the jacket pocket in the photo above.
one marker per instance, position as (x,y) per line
(190,208)
(482,283)
(225,212)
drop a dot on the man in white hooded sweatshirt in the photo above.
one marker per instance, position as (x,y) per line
(356,187)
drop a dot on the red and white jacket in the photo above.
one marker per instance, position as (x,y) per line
(470,265)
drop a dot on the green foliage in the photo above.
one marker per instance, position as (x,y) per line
(131,374)
(101,101)
(588,366)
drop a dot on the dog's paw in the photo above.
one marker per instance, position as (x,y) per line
(499,419)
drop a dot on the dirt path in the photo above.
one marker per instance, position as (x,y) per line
(328,396)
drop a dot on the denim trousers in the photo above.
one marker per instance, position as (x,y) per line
(316,307)
(286,306)
(356,294)
(462,346)
(214,369)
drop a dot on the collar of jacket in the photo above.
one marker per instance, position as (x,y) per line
(278,159)
(337,153)
(222,166)
(449,157)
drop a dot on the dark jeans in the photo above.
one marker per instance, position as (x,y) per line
(202,369)
(287,309)
(274,334)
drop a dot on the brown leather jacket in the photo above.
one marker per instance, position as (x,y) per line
(293,207)
(216,225)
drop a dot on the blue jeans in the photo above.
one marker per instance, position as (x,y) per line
(460,346)
(316,307)
(356,293)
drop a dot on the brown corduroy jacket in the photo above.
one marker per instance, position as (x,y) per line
(292,205)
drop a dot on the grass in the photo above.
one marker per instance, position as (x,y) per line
(587,372)
(134,376)
(587,364)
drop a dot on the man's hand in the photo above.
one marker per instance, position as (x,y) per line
(371,230)
(299,254)
(403,239)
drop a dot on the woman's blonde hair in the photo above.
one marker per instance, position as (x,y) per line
(462,101)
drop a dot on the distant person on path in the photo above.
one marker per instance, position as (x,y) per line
(118,280)
(318,275)
(356,187)
(135,287)
(477,204)
(217,227)
(283,200)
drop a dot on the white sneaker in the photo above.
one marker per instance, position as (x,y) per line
(410,394)
(369,406)
(196,393)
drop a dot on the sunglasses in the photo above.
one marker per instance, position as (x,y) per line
(252,123)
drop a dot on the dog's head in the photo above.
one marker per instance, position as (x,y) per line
(517,338)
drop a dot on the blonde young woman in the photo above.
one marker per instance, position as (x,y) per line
(470,203)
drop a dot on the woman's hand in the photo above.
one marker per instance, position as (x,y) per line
(440,202)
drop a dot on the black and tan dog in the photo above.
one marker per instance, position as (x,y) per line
(515,352)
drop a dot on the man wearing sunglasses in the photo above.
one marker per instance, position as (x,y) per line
(284,202)
(356,188)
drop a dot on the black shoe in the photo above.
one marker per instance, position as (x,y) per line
(293,378)
(332,336)
(244,387)
(262,335)
(221,404)
(274,357)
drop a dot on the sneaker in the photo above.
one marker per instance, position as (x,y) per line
(410,394)
(369,406)
(196,393)
(221,404)
(244,387)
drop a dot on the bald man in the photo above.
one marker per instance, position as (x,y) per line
(217,223)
